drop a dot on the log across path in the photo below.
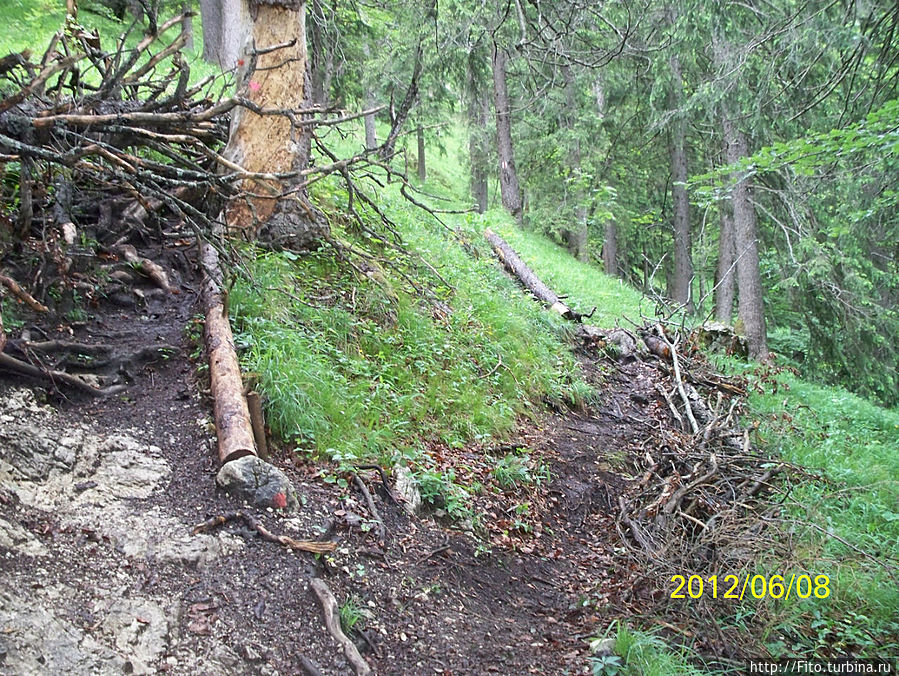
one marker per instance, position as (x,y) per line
(531,281)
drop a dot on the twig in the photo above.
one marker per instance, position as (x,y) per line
(382,532)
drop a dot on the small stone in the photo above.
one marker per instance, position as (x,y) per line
(259,482)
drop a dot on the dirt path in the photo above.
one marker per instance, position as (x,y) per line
(99,571)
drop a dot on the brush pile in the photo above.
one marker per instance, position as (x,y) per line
(705,493)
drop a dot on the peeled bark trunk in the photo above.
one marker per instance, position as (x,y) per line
(751,305)
(725,275)
(273,79)
(232,417)
(422,169)
(683,261)
(610,250)
(526,276)
(508,177)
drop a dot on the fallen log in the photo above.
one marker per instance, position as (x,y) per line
(532,282)
(232,416)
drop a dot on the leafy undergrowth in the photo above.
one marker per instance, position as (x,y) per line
(844,526)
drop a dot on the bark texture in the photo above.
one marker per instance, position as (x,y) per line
(273,79)
(226,27)
(478,144)
(683,257)
(610,250)
(232,417)
(725,275)
(510,190)
(422,167)
(526,276)
(751,307)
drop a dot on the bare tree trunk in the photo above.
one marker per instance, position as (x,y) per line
(683,261)
(371,137)
(576,237)
(317,51)
(725,276)
(508,177)
(610,250)
(478,143)
(226,26)
(751,305)
(187,25)
(422,170)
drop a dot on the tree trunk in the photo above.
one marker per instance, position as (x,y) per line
(272,79)
(317,52)
(751,305)
(610,250)
(724,276)
(226,26)
(398,119)
(422,170)
(683,261)
(575,237)
(371,137)
(187,25)
(478,143)
(508,177)
(526,276)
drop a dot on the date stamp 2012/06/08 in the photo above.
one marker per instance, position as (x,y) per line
(738,587)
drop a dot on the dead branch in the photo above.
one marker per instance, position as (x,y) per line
(254,524)
(22,294)
(332,622)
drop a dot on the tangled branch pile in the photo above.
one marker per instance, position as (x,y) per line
(702,502)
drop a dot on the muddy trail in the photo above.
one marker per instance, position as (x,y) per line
(100,571)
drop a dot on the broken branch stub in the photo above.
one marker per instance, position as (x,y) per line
(232,417)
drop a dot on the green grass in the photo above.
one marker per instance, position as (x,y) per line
(29,24)
(641,653)
(846,527)
(585,284)
(361,368)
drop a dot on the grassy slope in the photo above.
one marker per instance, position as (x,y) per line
(357,367)
(846,528)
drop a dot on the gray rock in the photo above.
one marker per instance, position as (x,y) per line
(257,481)
(406,487)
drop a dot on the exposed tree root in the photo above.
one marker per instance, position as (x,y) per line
(56,378)
(22,294)
(332,622)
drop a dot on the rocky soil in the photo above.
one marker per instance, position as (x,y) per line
(100,572)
